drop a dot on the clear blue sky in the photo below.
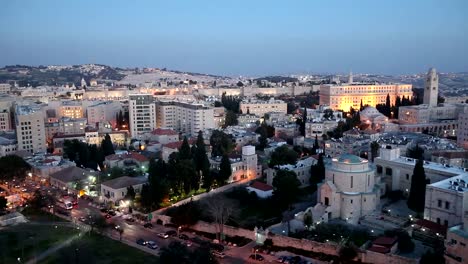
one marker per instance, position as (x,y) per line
(252,37)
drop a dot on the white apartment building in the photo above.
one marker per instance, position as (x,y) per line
(186,117)
(8,143)
(318,129)
(345,96)
(115,190)
(301,168)
(142,112)
(102,112)
(5,120)
(445,200)
(30,130)
(5,88)
(70,126)
(396,171)
(457,239)
(71,109)
(260,107)
(462,131)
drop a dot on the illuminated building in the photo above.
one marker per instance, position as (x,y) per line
(142,111)
(344,96)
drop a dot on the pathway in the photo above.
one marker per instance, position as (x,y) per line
(53,249)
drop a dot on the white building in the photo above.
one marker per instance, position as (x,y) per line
(186,117)
(445,200)
(103,111)
(5,120)
(462,131)
(115,190)
(163,136)
(142,111)
(396,171)
(262,190)
(5,88)
(350,190)
(342,97)
(260,107)
(301,168)
(243,166)
(8,143)
(70,126)
(30,130)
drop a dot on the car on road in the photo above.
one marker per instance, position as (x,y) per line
(171,233)
(108,216)
(217,247)
(218,254)
(163,235)
(257,257)
(141,242)
(117,227)
(152,244)
(188,243)
(183,237)
(130,220)
(148,225)
(82,219)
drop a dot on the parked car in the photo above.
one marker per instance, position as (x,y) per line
(183,237)
(163,235)
(130,220)
(148,225)
(171,233)
(188,243)
(152,244)
(82,219)
(141,242)
(218,254)
(108,216)
(256,257)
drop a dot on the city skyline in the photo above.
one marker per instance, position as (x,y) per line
(261,38)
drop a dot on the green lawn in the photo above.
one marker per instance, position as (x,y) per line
(25,240)
(98,249)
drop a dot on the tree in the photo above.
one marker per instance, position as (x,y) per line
(433,257)
(176,252)
(302,122)
(116,172)
(145,194)
(231,119)
(417,193)
(317,171)
(3,203)
(286,187)
(186,214)
(130,193)
(374,149)
(13,167)
(220,210)
(283,155)
(240,84)
(328,114)
(202,163)
(202,255)
(107,146)
(416,152)
(221,143)
(347,253)
(184,150)
(308,220)
(225,169)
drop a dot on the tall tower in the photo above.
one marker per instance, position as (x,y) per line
(431,89)
(350,77)
(142,113)
(250,161)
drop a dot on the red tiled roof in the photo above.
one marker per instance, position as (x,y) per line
(131,155)
(379,249)
(162,131)
(261,186)
(385,241)
(434,227)
(178,144)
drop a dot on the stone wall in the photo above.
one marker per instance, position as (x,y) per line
(304,244)
(228,230)
(378,258)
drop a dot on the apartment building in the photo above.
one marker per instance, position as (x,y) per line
(243,166)
(301,168)
(5,88)
(103,111)
(30,130)
(261,107)
(71,109)
(186,117)
(142,112)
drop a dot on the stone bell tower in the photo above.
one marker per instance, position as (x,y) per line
(431,89)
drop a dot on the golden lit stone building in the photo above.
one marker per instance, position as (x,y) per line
(344,96)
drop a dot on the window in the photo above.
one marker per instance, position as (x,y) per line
(447,205)
(446,222)
(351,201)
(439,203)
(379,169)
(388,171)
(351,181)
(438,220)
(407,176)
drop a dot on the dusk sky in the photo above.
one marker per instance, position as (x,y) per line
(249,37)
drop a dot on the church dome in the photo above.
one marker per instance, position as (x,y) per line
(349,158)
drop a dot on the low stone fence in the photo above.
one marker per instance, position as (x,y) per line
(304,244)
(379,258)
(227,230)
